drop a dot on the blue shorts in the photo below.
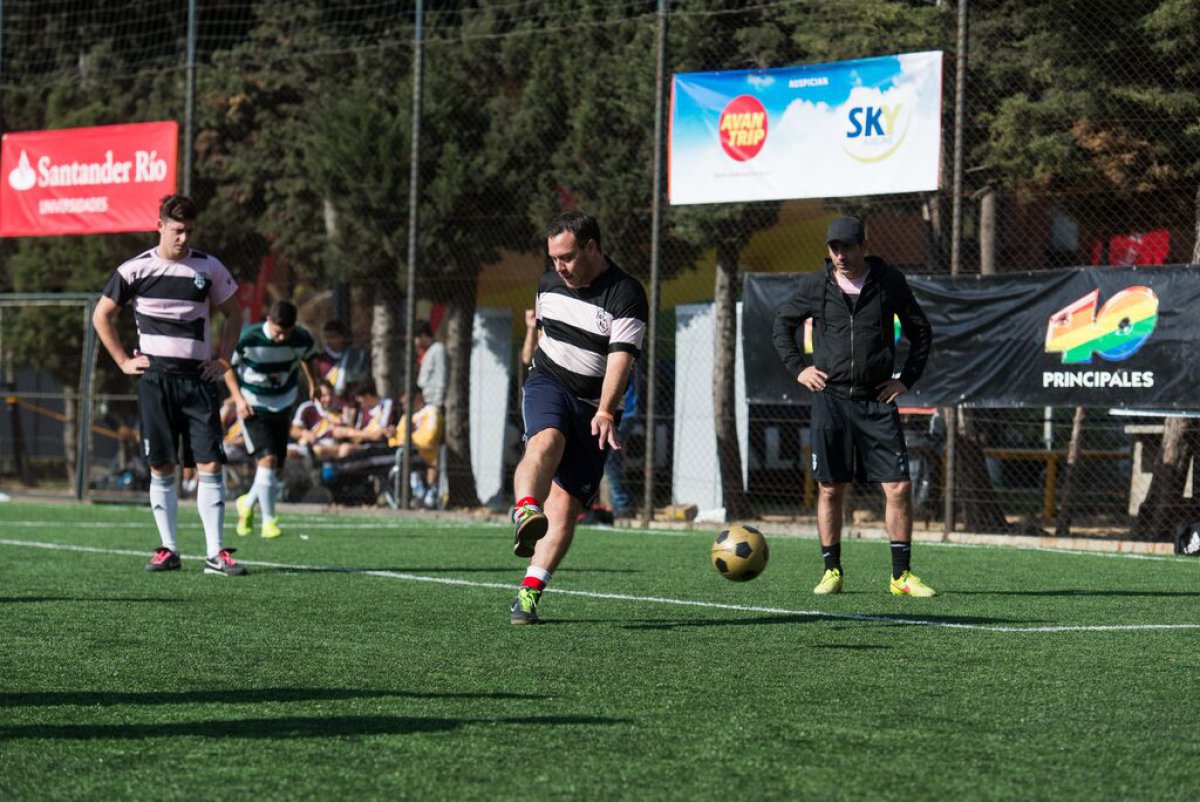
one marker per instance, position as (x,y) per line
(546,404)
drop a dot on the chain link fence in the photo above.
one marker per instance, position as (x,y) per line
(1080,146)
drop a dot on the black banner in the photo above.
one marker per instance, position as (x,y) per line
(1088,336)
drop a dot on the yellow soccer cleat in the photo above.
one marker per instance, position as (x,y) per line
(270,528)
(909,584)
(245,511)
(831,582)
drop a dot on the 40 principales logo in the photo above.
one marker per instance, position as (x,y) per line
(1113,332)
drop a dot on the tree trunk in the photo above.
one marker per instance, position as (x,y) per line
(459,323)
(387,338)
(988,247)
(70,434)
(981,511)
(729,455)
(1165,507)
(1062,527)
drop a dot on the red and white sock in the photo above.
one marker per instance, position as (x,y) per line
(528,501)
(536,578)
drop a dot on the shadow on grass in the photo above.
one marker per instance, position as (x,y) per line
(234,696)
(293,727)
(1168,594)
(854,647)
(121,599)
(432,569)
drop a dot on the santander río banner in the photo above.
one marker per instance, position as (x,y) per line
(98,180)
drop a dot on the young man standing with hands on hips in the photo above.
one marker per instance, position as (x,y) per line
(591,320)
(174,289)
(856,433)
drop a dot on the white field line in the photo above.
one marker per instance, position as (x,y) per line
(347,524)
(742,608)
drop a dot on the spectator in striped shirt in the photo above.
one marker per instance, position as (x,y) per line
(269,360)
(174,289)
(372,427)
(591,319)
(312,425)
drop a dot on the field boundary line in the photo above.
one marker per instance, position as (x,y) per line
(746,608)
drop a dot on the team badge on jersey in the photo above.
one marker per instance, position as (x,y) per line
(200,280)
(602,321)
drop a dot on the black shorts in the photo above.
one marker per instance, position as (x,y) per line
(267,435)
(857,441)
(175,410)
(546,404)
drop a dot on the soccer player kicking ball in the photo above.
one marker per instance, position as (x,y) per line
(268,360)
(591,319)
(173,290)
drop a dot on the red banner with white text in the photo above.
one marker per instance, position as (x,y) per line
(97,180)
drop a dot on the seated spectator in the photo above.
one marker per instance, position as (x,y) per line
(340,363)
(313,425)
(427,429)
(373,425)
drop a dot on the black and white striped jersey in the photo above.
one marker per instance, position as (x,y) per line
(172,305)
(580,328)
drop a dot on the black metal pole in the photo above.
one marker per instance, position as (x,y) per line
(960,95)
(190,99)
(410,301)
(656,213)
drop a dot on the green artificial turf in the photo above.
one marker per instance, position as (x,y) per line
(373,659)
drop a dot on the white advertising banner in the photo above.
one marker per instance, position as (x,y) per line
(864,127)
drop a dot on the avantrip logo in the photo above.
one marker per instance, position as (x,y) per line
(743,128)
(1114,332)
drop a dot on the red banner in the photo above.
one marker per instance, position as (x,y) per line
(86,180)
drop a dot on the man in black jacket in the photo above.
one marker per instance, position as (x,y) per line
(856,433)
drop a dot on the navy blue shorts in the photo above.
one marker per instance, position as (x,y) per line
(546,404)
(857,441)
(176,409)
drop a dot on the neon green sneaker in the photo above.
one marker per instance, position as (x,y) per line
(531,526)
(270,528)
(245,511)
(524,606)
(831,582)
(909,584)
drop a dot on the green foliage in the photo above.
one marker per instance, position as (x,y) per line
(1093,104)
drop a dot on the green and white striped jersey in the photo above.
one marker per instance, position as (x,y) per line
(269,372)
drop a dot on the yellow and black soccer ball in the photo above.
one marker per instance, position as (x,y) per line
(740,553)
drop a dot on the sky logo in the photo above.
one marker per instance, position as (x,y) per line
(867,121)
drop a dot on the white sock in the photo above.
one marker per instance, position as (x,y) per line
(210,502)
(164,502)
(265,488)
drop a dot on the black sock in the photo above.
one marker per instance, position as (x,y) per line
(833,556)
(901,557)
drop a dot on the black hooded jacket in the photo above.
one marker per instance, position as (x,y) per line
(854,347)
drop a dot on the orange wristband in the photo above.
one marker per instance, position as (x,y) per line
(602,414)
(225,364)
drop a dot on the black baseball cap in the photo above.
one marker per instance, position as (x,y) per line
(845,229)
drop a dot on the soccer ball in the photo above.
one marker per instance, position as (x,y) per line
(740,553)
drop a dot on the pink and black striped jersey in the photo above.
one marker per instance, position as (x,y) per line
(172,305)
